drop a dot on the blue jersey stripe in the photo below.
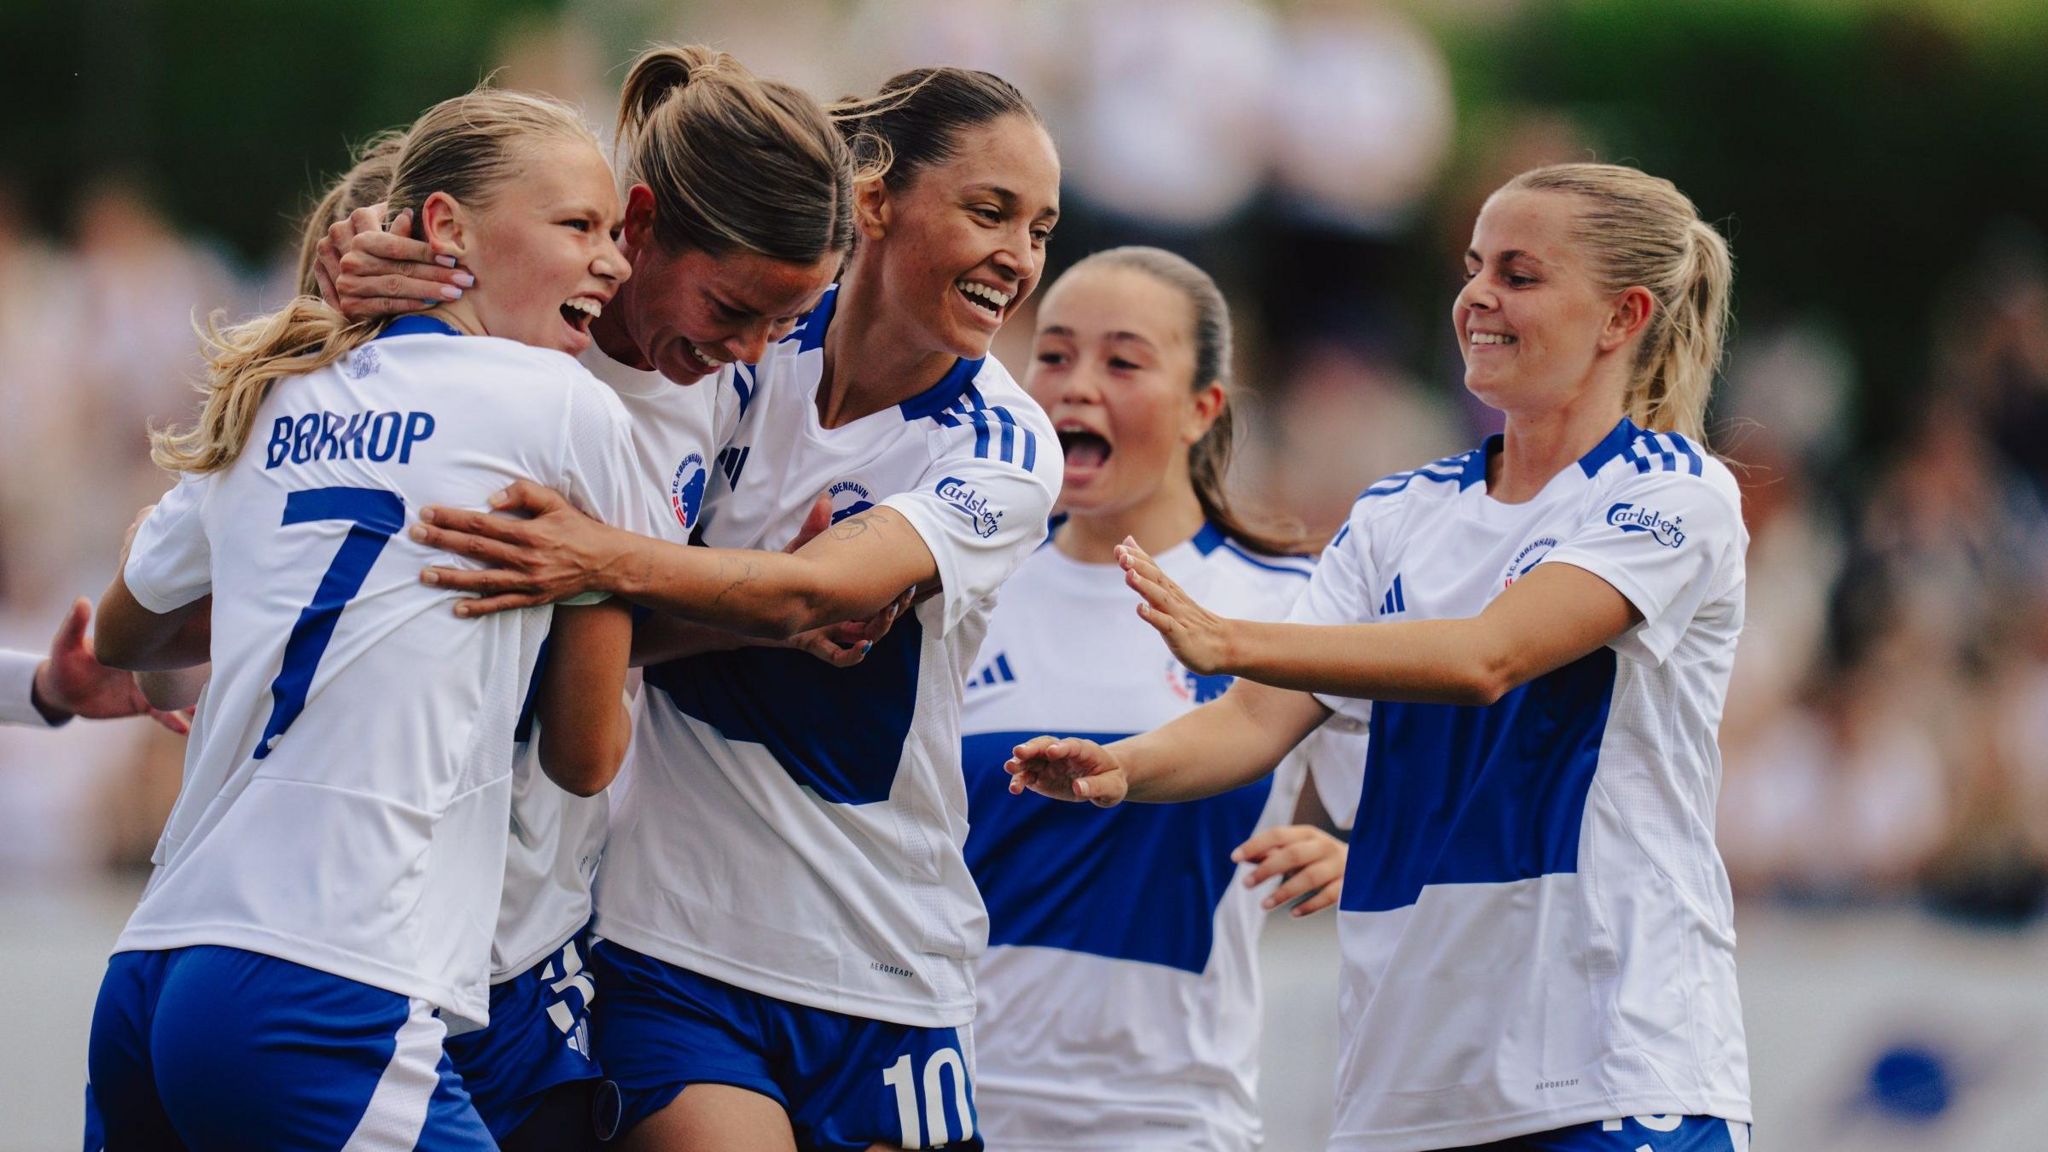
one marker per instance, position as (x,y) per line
(1470,795)
(1137,882)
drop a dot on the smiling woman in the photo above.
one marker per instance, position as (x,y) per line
(1539,632)
(325,886)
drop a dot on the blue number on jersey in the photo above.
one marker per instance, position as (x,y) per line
(376,515)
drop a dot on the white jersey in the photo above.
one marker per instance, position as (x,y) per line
(17,689)
(795,829)
(348,786)
(1119,999)
(557,836)
(1537,930)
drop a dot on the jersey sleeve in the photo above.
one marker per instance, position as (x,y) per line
(170,564)
(980,518)
(599,467)
(1340,592)
(17,689)
(1666,541)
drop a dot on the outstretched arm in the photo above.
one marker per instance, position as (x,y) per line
(854,570)
(1549,618)
(1222,745)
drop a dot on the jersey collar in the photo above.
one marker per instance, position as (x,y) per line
(1609,447)
(416,325)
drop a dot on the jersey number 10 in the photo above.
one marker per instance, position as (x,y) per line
(374,516)
(901,1077)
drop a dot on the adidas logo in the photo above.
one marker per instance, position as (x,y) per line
(995,672)
(1395,600)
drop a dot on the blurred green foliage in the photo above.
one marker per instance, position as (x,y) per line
(231,112)
(1858,154)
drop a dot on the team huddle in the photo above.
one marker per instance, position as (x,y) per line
(436,879)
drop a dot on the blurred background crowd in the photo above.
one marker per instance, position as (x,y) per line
(1881,168)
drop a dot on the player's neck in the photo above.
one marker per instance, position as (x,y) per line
(609,333)
(1536,446)
(1166,521)
(872,360)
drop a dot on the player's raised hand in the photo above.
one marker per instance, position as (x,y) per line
(1309,860)
(1199,638)
(366,269)
(1067,768)
(72,681)
(538,549)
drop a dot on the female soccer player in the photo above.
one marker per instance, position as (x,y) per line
(788,926)
(738,214)
(1537,931)
(328,880)
(1119,1006)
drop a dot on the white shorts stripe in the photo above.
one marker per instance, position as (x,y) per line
(398,1106)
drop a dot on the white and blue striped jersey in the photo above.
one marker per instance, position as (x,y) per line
(347,787)
(794,829)
(1537,929)
(1119,998)
(558,837)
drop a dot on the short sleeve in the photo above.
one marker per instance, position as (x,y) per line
(1339,593)
(600,467)
(1666,541)
(980,518)
(170,564)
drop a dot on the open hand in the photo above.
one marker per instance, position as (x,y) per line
(72,681)
(1309,860)
(1198,637)
(538,548)
(1067,768)
(367,270)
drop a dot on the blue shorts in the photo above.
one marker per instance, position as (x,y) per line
(210,1048)
(846,1081)
(1634,1134)
(539,1037)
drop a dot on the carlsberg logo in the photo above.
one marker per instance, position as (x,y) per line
(973,504)
(1668,531)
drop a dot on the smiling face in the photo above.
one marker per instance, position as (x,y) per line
(687,312)
(1113,365)
(961,245)
(1532,322)
(542,247)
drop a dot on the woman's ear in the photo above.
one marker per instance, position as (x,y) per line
(638,231)
(1632,310)
(444,226)
(871,208)
(1202,413)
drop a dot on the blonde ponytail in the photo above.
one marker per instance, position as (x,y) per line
(1638,229)
(242,362)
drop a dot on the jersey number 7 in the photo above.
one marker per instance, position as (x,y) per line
(375,516)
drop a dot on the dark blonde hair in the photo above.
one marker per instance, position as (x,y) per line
(1209,318)
(734,161)
(467,147)
(1640,229)
(915,121)
(367,182)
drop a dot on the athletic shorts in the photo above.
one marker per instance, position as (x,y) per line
(207,1048)
(539,1037)
(1634,1134)
(845,1081)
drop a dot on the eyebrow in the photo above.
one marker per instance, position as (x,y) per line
(1008,197)
(1508,257)
(1068,333)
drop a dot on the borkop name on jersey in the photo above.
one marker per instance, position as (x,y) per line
(1120,1002)
(347,790)
(1537,931)
(795,829)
